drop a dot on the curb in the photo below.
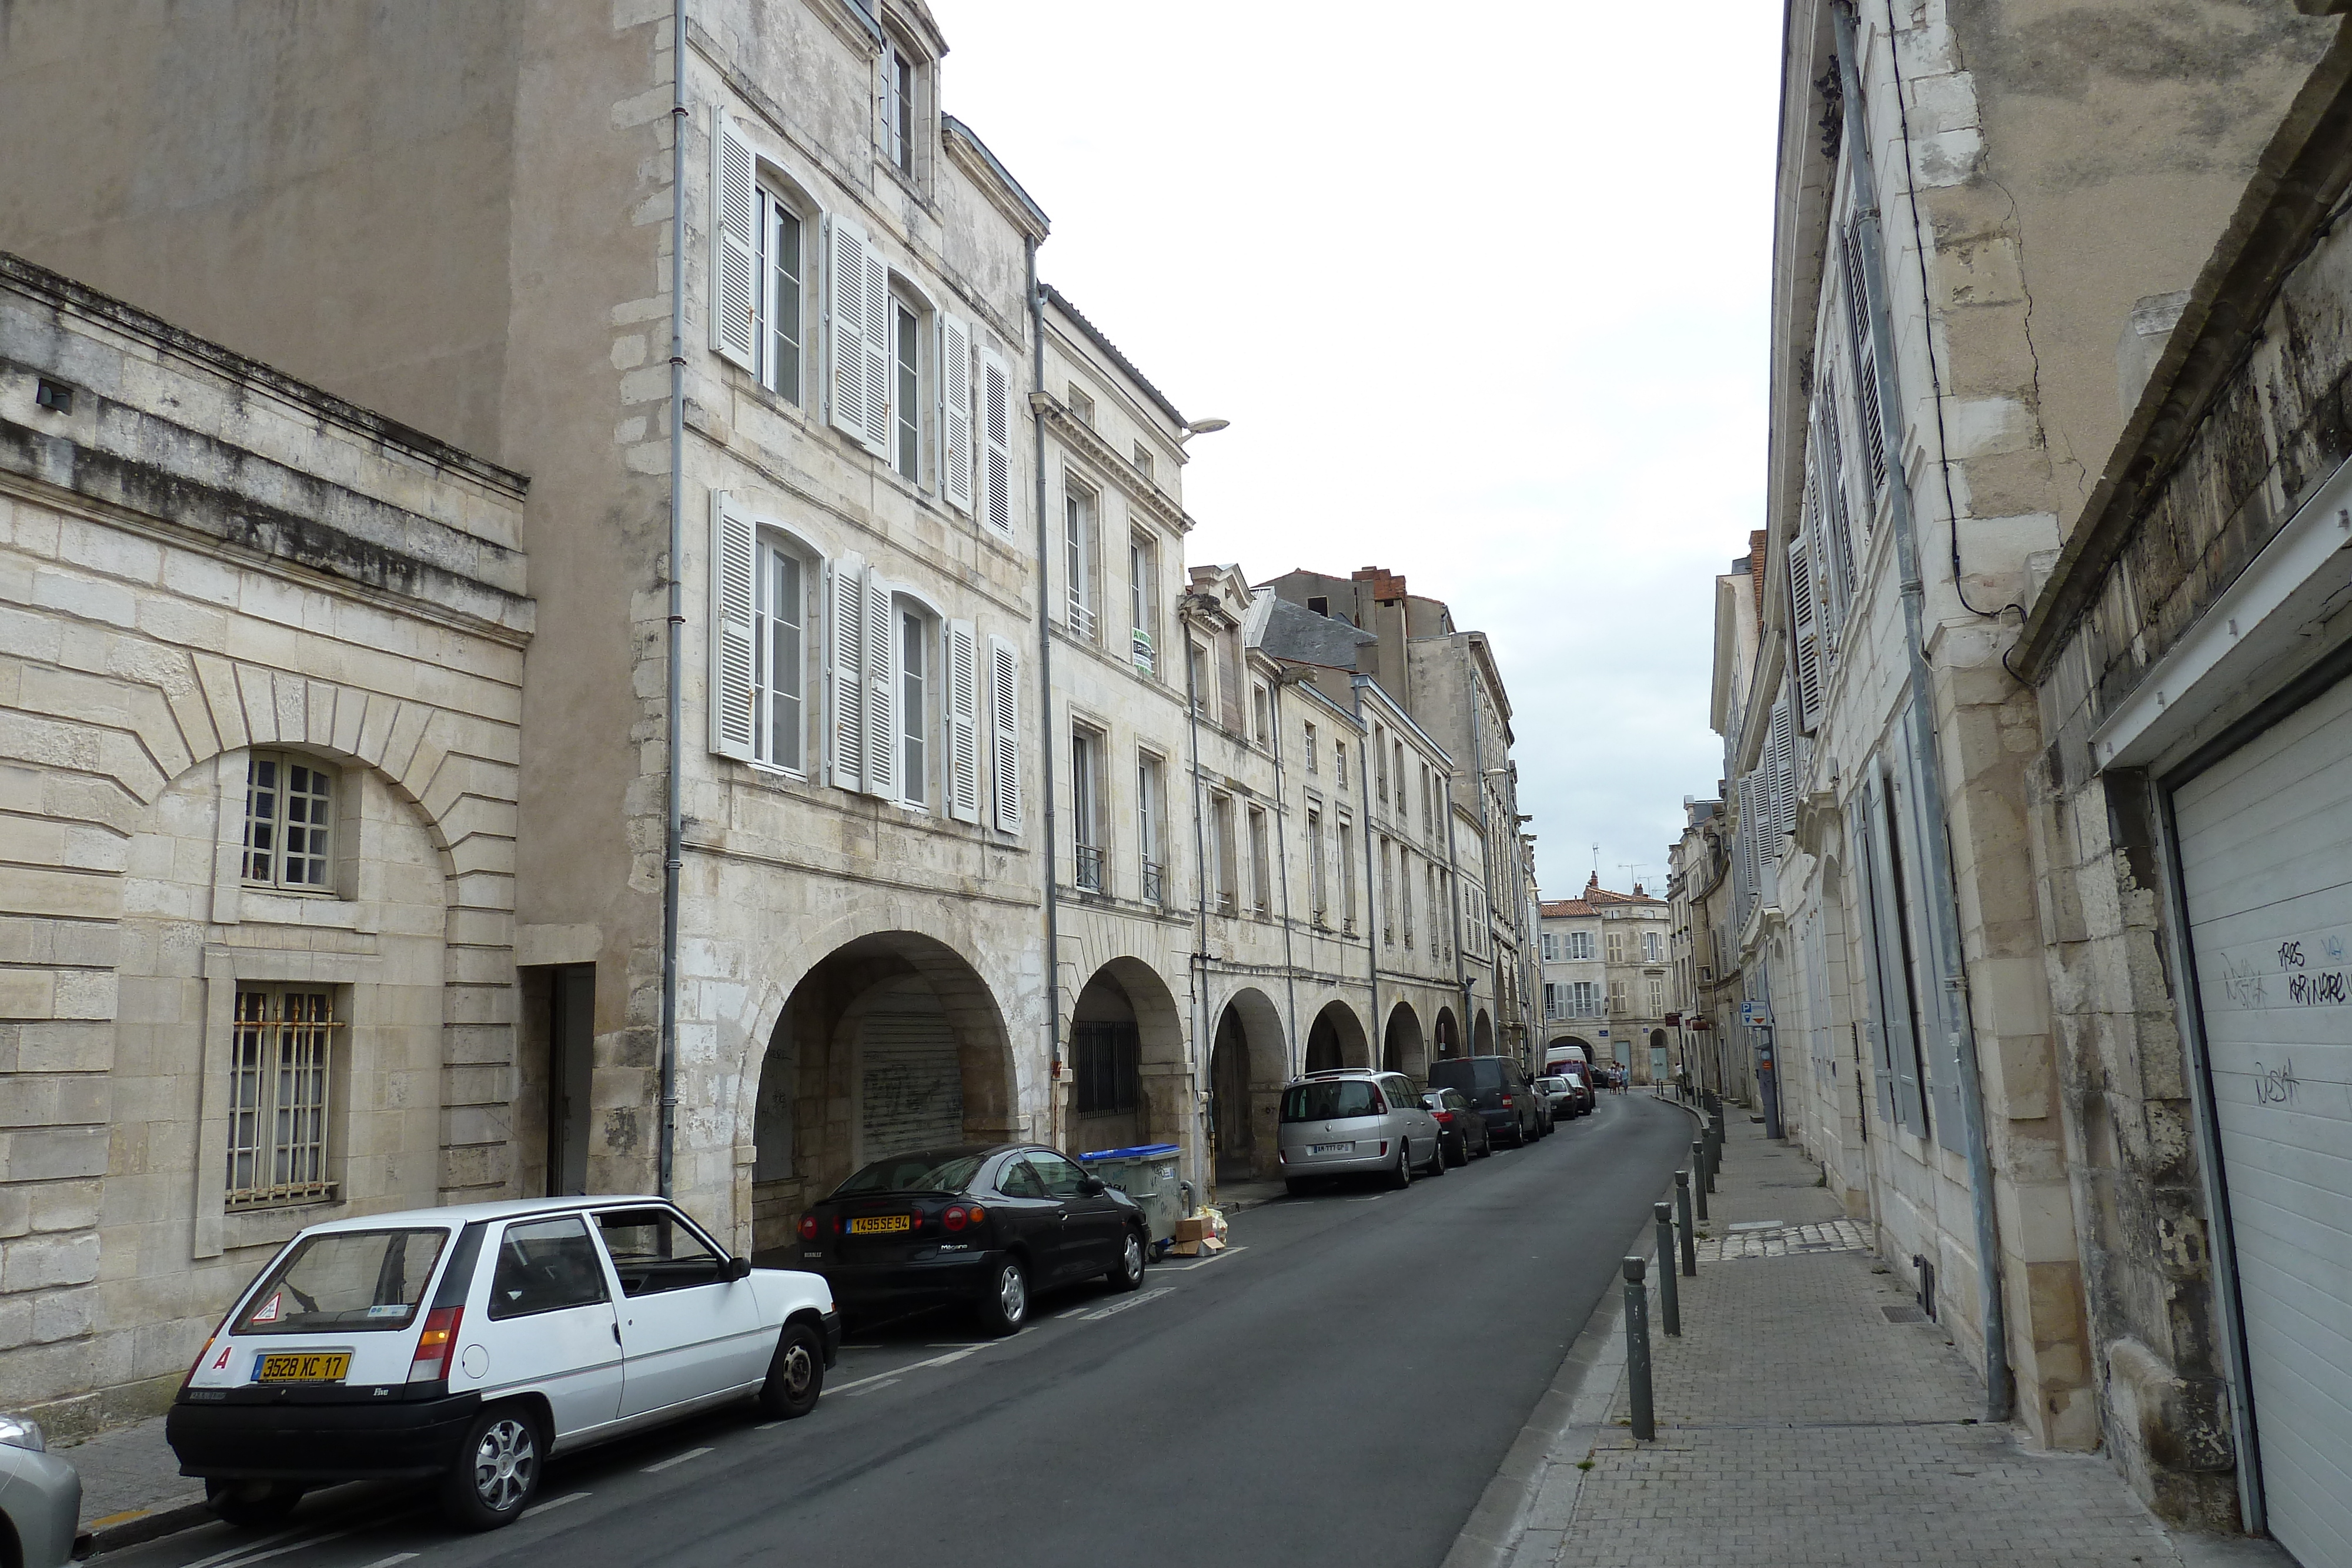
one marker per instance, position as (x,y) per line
(142,1528)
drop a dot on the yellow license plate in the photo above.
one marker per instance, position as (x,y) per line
(305,1368)
(881,1224)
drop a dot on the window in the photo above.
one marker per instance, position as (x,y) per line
(1222,844)
(1143,603)
(1086,807)
(1314,761)
(785,271)
(281,1057)
(1082,407)
(1106,1059)
(1616,996)
(899,109)
(1196,676)
(1579,944)
(1380,764)
(1616,946)
(1261,863)
(907,390)
(1340,763)
(1404,889)
(779,657)
(1315,897)
(1428,801)
(1261,715)
(1143,459)
(1652,946)
(346,1282)
(1555,999)
(1347,876)
(1438,947)
(653,1251)
(1403,805)
(1149,773)
(1388,896)
(289,817)
(1319,605)
(1657,997)
(1584,996)
(545,1266)
(916,705)
(1078,561)
(1550,947)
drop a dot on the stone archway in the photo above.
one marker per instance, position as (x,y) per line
(1247,1065)
(1337,1040)
(1403,1048)
(1482,1034)
(1447,1034)
(891,1041)
(1128,1084)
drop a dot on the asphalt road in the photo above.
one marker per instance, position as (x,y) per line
(1338,1389)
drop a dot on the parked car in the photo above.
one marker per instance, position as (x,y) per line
(1581,1079)
(467,1344)
(1355,1122)
(1563,1095)
(40,1500)
(1500,1090)
(1461,1131)
(986,1224)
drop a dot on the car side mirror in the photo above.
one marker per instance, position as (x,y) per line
(1091,1186)
(736,1268)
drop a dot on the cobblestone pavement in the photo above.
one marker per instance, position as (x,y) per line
(1811,1414)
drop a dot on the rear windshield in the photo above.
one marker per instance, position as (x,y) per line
(1329,1101)
(1484,1073)
(346,1280)
(920,1170)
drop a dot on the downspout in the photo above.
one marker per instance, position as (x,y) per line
(1281,816)
(1037,402)
(674,831)
(1943,903)
(1453,890)
(1371,927)
(1485,830)
(1200,851)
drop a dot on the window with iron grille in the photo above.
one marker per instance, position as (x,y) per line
(1107,1059)
(290,815)
(281,1059)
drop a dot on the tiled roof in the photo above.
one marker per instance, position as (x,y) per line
(1564,909)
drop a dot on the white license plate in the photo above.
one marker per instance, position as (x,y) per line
(1330,1149)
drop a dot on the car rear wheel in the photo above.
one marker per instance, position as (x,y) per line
(1437,1165)
(1457,1153)
(252,1505)
(795,1374)
(1127,1275)
(1402,1174)
(1004,1304)
(497,1472)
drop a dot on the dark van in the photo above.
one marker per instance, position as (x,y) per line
(1495,1084)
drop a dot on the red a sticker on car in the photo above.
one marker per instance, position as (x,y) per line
(221,1360)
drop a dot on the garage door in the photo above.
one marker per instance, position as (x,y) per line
(910,1081)
(2266,863)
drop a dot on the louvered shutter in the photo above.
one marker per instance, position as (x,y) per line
(1857,845)
(1893,973)
(1004,720)
(1804,622)
(734,565)
(1865,358)
(734,245)
(955,412)
(963,784)
(882,669)
(996,443)
(846,669)
(844,294)
(874,347)
(1784,775)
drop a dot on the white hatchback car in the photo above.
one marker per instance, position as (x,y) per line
(469,1343)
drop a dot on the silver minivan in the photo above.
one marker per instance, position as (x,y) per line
(1355,1122)
(468,1344)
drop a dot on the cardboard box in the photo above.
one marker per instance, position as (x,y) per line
(1190,1230)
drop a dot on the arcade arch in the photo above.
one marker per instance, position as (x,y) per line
(1447,1033)
(1247,1065)
(1403,1048)
(1482,1034)
(1337,1040)
(1127,1059)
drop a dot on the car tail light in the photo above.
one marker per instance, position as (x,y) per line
(437,1346)
(1445,1118)
(1281,1156)
(977,1213)
(1384,1146)
(955,1219)
(199,1361)
(808,1227)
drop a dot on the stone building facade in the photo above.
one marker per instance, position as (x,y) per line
(1609,982)
(260,705)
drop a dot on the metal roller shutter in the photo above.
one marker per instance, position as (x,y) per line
(910,1083)
(2266,868)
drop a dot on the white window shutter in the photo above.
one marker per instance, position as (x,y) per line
(996,443)
(874,343)
(955,410)
(1784,777)
(881,690)
(1004,717)
(733,573)
(962,786)
(734,246)
(1804,620)
(846,669)
(845,293)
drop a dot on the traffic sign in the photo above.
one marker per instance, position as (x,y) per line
(1756,1013)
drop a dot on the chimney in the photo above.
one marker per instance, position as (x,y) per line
(1387,587)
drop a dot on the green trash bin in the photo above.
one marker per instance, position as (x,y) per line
(1148,1174)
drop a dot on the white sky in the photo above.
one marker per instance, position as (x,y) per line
(1483,291)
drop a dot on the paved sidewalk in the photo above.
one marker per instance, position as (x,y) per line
(1809,1415)
(132,1488)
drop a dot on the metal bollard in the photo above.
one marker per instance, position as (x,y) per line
(1669,1296)
(1683,1207)
(1698,1164)
(1637,1351)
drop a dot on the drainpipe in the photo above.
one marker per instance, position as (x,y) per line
(1371,926)
(1453,890)
(1037,400)
(1281,816)
(1943,899)
(674,831)
(1485,830)
(1199,858)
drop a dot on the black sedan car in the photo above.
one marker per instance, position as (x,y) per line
(986,1224)
(1461,1131)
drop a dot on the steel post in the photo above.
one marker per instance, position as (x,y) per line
(1698,1164)
(1637,1351)
(1669,1294)
(1683,1208)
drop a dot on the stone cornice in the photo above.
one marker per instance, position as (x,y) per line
(1116,470)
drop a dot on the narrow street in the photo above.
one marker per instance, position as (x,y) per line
(1339,1387)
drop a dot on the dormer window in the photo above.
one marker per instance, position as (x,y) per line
(899,109)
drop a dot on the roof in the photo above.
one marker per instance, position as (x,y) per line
(1110,351)
(1565,909)
(1295,634)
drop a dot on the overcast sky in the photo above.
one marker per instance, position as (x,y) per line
(1483,292)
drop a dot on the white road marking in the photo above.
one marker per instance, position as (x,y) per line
(675,1459)
(290,1546)
(243,1547)
(1135,1301)
(405,1556)
(872,1387)
(532,1511)
(1195,1263)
